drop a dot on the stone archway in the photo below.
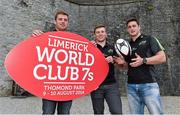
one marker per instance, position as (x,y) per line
(102,2)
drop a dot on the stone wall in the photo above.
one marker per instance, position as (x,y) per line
(157,17)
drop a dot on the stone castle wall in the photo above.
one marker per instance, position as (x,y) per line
(159,18)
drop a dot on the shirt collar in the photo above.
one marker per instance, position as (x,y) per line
(140,37)
(106,45)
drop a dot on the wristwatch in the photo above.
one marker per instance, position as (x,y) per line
(144,60)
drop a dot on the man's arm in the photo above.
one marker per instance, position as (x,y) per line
(158,58)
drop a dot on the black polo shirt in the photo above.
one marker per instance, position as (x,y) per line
(145,46)
(108,50)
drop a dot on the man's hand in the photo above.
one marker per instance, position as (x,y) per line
(37,33)
(136,61)
(109,59)
(94,43)
(119,60)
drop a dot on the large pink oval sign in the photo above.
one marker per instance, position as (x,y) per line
(57,66)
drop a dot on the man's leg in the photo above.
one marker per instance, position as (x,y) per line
(48,106)
(113,99)
(136,104)
(97,98)
(152,99)
(64,107)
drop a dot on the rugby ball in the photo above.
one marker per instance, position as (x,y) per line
(123,48)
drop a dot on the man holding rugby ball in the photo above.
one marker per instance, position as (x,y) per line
(142,88)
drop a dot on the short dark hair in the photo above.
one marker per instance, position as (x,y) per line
(61,12)
(99,26)
(132,19)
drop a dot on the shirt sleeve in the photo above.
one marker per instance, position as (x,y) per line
(155,45)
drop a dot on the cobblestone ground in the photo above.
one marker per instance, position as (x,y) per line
(32,105)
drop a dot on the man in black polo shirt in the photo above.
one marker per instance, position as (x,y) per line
(143,89)
(49,106)
(108,90)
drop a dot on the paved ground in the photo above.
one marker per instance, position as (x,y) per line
(32,105)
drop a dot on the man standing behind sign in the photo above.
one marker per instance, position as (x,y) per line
(63,107)
(108,90)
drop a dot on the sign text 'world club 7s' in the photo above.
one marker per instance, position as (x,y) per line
(57,66)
